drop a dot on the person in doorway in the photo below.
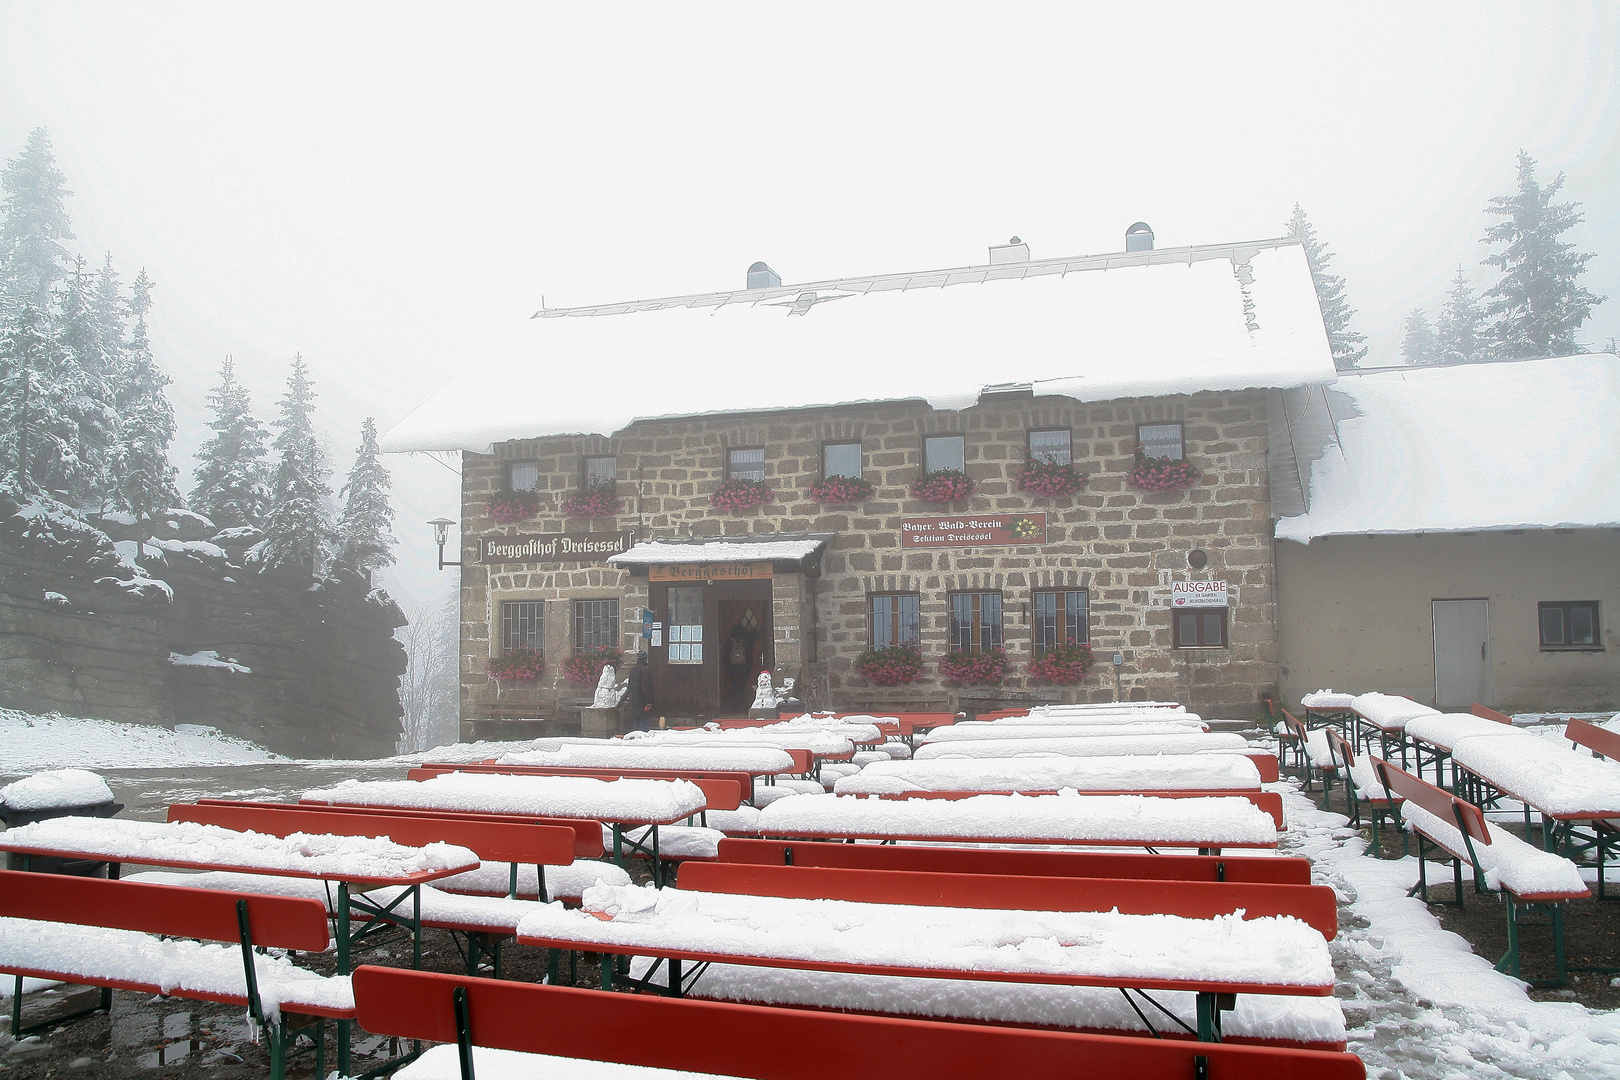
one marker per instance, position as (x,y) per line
(639,694)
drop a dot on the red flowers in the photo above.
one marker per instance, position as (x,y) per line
(942,486)
(519,665)
(1161,474)
(1050,479)
(1062,664)
(736,496)
(509,506)
(891,666)
(974,669)
(841,489)
(595,501)
(585,667)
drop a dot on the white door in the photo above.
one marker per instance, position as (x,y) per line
(1461,653)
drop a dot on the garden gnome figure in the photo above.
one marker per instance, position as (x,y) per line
(606,696)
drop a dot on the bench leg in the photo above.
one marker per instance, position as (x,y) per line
(1210,1007)
(607,960)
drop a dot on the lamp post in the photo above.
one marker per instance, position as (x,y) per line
(441,533)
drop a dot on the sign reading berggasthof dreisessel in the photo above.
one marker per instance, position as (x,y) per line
(554,547)
(973,530)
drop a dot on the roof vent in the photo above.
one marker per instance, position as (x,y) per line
(761,276)
(1013,251)
(1139,237)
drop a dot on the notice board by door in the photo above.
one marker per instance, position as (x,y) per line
(1462,635)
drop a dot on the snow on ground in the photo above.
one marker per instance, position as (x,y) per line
(1418,1001)
(54,741)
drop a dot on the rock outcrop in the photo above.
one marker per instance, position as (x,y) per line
(172,629)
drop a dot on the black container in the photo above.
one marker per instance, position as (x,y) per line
(44,864)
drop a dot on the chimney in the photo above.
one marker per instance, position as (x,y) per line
(761,276)
(1013,251)
(1139,237)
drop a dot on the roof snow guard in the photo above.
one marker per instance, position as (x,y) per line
(1467,448)
(800,550)
(1128,324)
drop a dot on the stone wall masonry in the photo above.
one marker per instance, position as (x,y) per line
(1123,546)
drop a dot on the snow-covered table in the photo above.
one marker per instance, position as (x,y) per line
(1086,746)
(1182,772)
(356,864)
(1224,955)
(1434,737)
(1387,714)
(619,803)
(998,729)
(1206,823)
(616,754)
(1329,707)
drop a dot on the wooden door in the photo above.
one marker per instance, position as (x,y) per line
(696,672)
(744,641)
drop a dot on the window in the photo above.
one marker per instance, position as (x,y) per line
(522,475)
(1569,624)
(745,463)
(596,624)
(1061,618)
(1199,628)
(944,452)
(975,621)
(685,624)
(896,619)
(600,470)
(1053,446)
(523,625)
(1160,440)
(841,459)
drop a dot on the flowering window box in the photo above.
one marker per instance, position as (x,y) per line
(519,665)
(1063,664)
(1050,480)
(841,489)
(596,501)
(507,507)
(942,486)
(736,496)
(974,668)
(1161,474)
(585,667)
(894,665)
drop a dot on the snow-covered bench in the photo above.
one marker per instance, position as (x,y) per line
(1363,787)
(1528,876)
(709,1038)
(1177,772)
(155,939)
(1103,746)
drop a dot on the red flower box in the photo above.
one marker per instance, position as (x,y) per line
(974,668)
(519,665)
(841,489)
(1050,479)
(942,486)
(596,501)
(585,667)
(1066,664)
(509,506)
(1161,474)
(736,496)
(894,665)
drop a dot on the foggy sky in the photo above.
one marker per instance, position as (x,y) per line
(388,188)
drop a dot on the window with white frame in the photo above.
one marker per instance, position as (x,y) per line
(944,452)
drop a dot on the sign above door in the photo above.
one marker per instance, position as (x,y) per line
(711,571)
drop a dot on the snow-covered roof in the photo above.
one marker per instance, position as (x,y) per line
(1135,324)
(774,547)
(1513,445)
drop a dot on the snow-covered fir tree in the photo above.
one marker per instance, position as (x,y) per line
(1538,304)
(143,477)
(1417,344)
(232,486)
(1457,332)
(366,528)
(1346,343)
(296,530)
(33,224)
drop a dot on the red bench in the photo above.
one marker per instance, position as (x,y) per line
(1490,714)
(1098,864)
(723,790)
(587,834)
(1472,833)
(730,1040)
(1379,805)
(252,922)
(1314,904)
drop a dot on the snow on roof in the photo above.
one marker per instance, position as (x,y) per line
(1124,325)
(728,549)
(1476,446)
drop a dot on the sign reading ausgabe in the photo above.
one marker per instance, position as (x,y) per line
(1198,594)
(973,530)
(554,547)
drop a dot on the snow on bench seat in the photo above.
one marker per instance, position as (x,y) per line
(674,841)
(743,821)
(1446,730)
(542,796)
(1317,1023)
(135,960)
(1182,772)
(1507,862)
(1388,712)
(998,729)
(562,882)
(1101,746)
(1036,819)
(1280,953)
(490,1063)
(1548,775)
(55,789)
(1094,719)
(819,742)
(354,858)
(613,754)
(1110,706)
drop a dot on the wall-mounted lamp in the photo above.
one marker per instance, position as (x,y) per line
(441,533)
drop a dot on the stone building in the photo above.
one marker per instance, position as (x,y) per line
(749,495)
